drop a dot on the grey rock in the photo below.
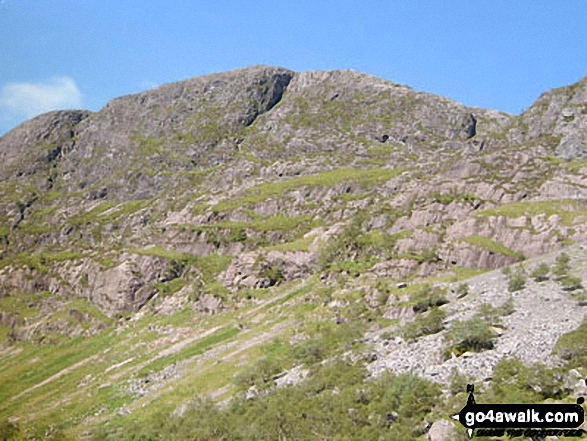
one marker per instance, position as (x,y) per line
(442,430)
(571,147)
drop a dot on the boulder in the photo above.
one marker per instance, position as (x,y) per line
(442,430)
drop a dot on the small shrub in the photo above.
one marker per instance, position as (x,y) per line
(517,281)
(572,346)
(8,430)
(311,351)
(561,266)
(570,283)
(471,335)
(429,323)
(444,198)
(259,374)
(462,290)
(428,297)
(515,382)
(273,273)
(458,382)
(540,273)
(429,255)
(493,314)
(238,234)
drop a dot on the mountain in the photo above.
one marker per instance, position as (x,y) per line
(238,229)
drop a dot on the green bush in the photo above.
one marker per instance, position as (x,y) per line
(335,402)
(572,346)
(426,324)
(273,273)
(327,339)
(462,290)
(259,374)
(515,382)
(8,430)
(570,283)
(517,281)
(471,335)
(492,314)
(355,250)
(458,382)
(238,234)
(428,297)
(311,351)
(561,266)
(540,273)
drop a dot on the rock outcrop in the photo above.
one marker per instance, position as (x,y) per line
(255,177)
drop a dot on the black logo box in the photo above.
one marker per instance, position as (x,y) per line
(527,410)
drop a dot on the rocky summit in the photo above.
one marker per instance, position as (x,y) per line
(266,254)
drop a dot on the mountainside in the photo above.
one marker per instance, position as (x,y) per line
(222,234)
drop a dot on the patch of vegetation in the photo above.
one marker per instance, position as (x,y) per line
(273,273)
(462,290)
(567,209)
(149,146)
(43,260)
(199,347)
(571,283)
(170,287)
(493,314)
(91,215)
(516,280)
(158,251)
(35,229)
(473,335)
(428,297)
(354,250)
(326,339)
(447,198)
(540,273)
(515,382)
(209,266)
(279,222)
(125,209)
(492,246)
(21,305)
(328,178)
(98,214)
(428,323)
(336,402)
(301,244)
(572,346)
(85,307)
(561,266)
(466,273)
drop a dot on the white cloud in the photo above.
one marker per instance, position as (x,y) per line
(20,101)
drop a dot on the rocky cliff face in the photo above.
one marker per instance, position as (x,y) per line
(236,234)
(242,180)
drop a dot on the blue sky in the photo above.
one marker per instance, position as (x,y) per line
(488,53)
